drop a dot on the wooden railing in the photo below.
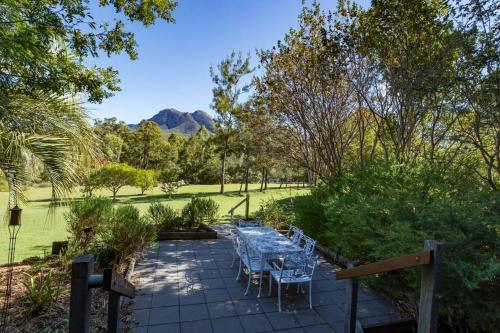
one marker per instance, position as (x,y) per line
(247,207)
(82,280)
(429,259)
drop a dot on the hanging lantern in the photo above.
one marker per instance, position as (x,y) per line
(15,216)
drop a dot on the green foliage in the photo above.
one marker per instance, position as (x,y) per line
(274,213)
(42,289)
(380,212)
(128,234)
(86,219)
(168,179)
(46,44)
(112,146)
(145,180)
(200,210)
(91,183)
(114,176)
(163,216)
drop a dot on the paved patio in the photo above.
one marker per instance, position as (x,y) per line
(189,286)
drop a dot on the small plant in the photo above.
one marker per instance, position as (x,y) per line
(163,216)
(42,289)
(86,219)
(168,179)
(200,210)
(128,234)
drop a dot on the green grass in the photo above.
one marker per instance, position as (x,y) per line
(38,232)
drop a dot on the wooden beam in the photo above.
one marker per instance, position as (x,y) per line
(431,275)
(113,281)
(79,309)
(237,205)
(412,260)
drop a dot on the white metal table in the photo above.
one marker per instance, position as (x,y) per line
(268,243)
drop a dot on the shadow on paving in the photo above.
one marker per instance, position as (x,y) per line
(190,286)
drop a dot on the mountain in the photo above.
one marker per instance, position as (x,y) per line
(184,123)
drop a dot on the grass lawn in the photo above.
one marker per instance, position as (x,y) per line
(38,232)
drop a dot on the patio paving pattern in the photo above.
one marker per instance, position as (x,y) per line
(189,286)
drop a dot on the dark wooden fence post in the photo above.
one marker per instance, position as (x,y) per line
(113,311)
(431,276)
(79,314)
(351,304)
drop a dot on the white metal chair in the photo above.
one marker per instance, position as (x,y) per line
(236,254)
(245,224)
(309,245)
(295,234)
(300,275)
(251,262)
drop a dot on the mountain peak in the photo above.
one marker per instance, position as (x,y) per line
(174,121)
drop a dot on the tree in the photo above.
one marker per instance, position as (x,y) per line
(149,142)
(114,176)
(45,133)
(228,88)
(112,147)
(168,179)
(145,180)
(44,44)
(91,183)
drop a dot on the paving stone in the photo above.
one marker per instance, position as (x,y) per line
(255,323)
(227,325)
(231,282)
(282,320)
(217,295)
(229,272)
(188,297)
(221,309)
(293,330)
(213,283)
(193,312)
(163,300)
(140,317)
(308,317)
(142,329)
(210,274)
(165,315)
(238,293)
(246,307)
(196,326)
(330,313)
(320,329)
(141,302)
(169,328)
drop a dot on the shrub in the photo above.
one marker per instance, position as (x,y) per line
(163,216)
(275,213)
(87,218)
(382,212)
(42,288)
(168,179)
(145,180)
(200,210)
(128,234)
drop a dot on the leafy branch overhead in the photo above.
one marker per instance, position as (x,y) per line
(44,44)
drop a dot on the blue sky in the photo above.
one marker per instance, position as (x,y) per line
(174,59)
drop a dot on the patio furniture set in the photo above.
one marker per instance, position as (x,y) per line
(289,259)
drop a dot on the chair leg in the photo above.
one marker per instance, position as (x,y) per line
(310,295)
(234,259)
(249,281)
(239,272)
(279,296)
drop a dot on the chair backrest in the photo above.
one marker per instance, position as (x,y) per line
(309,245)
(234,240)
(295,234)
(244,223)
(305,270)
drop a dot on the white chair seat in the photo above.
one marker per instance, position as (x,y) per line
(290,276)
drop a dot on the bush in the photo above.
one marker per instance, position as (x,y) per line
(200,210)
(163,216)
(128,235)
(277,214)
(383,212)
(87,218)
(168,179)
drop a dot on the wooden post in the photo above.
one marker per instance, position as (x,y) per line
(431,276)
(79,315)
(232,216)
(113,311)
(351,304)
(247,207)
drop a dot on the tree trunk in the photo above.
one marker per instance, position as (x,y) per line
(223,170)
(241,184)
(265,181)
(246,179)
(262,180)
